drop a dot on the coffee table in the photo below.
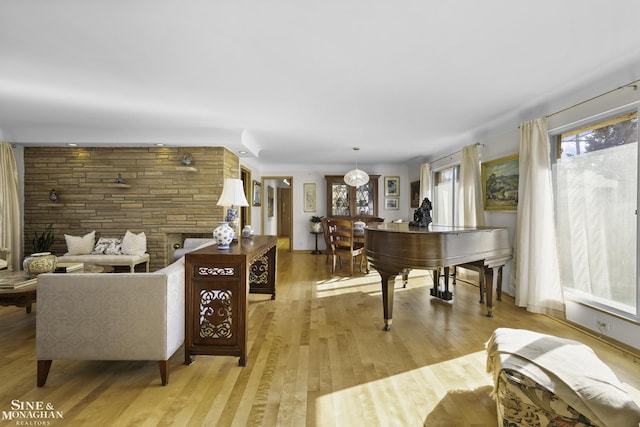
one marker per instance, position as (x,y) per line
(23,293)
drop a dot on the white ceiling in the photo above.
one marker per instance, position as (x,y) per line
(291,81)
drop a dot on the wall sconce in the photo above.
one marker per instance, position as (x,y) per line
(53,196)
(119,179)
(187,159)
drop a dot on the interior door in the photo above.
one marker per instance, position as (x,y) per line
(284,212)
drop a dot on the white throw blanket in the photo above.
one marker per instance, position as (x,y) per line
(568,369)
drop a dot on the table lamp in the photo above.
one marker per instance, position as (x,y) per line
(232,195)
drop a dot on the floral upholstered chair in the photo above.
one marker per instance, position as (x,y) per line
(5,259)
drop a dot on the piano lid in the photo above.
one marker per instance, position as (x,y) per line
(404,227)
(394,246)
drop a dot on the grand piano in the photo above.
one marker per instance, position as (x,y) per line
(395,248)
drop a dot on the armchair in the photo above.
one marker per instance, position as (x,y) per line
(124,316)
(5,259)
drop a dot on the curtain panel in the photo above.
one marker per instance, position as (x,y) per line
(425,182)
(10,206)
(535,278)
(471,212)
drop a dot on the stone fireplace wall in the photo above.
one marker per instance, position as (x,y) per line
(159,196)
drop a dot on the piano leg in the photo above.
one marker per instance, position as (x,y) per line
(499,285)
(387,297)
(481,284)
(405,277)
(491,277)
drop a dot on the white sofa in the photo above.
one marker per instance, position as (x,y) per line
(109,260)
(127,316)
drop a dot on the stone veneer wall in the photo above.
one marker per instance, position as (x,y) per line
(160,197)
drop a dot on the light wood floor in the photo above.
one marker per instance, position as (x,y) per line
(317,357)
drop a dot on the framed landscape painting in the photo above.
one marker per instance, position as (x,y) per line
(391,185)
(500,184)
(415,194)
(391,203)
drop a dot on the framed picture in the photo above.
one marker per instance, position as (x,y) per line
(309,197)
(415,194)
(500,183)
(391,185)
(256,197)
(270,198)
(391,203)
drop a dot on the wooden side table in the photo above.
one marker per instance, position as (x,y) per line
(217,283)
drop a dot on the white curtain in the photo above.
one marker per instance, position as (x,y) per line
(535,278)
(425,181)
(471,212)
(10,212)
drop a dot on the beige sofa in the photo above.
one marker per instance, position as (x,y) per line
(127,316)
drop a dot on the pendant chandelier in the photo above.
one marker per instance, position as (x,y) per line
(356,177)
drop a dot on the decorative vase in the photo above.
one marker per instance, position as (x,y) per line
(247,231)
(223,235)
(316,227)
(41,262)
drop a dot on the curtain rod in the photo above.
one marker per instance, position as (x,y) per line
(455,152)
(632,84)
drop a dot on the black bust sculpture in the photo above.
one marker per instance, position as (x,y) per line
(422,215)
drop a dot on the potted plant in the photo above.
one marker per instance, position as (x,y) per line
(42,242)
(41,260)
(316,224)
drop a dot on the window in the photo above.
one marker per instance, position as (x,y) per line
(445,191)
(596,181)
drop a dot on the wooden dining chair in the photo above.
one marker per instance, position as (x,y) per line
(343,245)
(327,238)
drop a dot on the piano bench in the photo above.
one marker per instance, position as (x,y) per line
(478,266)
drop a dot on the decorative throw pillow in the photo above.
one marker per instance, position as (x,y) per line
(134,244)
(77,245)
(108,246)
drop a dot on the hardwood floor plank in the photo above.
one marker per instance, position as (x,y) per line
(317,357)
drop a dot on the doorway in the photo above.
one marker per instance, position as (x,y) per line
(277,212)
(284,212)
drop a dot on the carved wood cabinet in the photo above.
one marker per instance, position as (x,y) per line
(217,283)
(344,201)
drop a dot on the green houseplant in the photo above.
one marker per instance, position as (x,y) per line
(42,242)
(316,224)
(41,260)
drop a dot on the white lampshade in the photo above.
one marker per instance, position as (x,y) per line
(232,193)
(356,177)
